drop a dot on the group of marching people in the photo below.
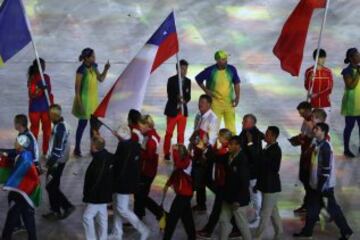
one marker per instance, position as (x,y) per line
(239,169)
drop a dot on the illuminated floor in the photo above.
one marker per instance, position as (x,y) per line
(247,29)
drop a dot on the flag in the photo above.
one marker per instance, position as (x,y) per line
(22,178)
(129,89)
(14,31)
(5,169)
(290,46)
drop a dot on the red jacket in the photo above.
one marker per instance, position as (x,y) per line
(180,178)
(220,161)
(136,134)
(149,156)
(323,84)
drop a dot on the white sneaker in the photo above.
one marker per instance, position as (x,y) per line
(145,233)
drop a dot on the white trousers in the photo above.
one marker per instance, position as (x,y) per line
(97,212)
(122,210)
(269,211)
(255,198)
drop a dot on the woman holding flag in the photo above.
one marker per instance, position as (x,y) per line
(86,93)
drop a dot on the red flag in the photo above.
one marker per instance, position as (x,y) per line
(290,46)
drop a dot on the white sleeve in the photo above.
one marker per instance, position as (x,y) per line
(213,130)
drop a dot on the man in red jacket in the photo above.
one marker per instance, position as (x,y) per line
(321,85)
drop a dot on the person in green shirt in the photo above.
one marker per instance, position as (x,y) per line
(350,107)
(86,93)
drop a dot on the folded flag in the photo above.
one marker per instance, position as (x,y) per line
(6,164)
(24,179)
(129,89)
(14,31)
(290,46)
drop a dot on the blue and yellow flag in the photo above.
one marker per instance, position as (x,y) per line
(14,32)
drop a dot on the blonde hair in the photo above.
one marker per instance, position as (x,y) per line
(99,142)
(147,119)
(225,133)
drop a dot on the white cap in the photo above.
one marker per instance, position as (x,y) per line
(23,141)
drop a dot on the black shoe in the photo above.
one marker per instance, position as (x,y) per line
(348,154)
(203,234)
(127,225)
(167,157)
(199,208)
(300,210)
(68,212)
(235,234)
(52,216)
(346,236)
(19,229)
(302,235)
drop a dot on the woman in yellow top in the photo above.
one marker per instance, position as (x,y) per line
(86,93)
(350,107)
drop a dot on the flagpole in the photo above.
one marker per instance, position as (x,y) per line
(310,91)
(179,75)
(36,55)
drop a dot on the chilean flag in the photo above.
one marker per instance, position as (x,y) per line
(129,89)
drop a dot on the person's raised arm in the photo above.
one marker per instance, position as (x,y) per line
(101,76)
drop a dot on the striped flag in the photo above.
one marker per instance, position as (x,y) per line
(22,177)
(14,31)
(129,89)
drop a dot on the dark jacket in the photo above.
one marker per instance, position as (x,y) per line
(99,178)
(172,108)
(237,180)
(127,167)
(269,167)
(252,152)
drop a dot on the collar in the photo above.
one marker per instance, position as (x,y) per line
(269,145)
(205,115)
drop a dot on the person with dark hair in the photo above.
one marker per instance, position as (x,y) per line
(180,180)
(98,190)
(38,103)
(322,183)
(223,85)
(22,198)
(304,140)
(236,191)
(319,86)
(56,158)
(205,130)
(86,93)
(251,144)
(176,107)
(126,183)
(21,125)
(350,107)
(216,157)
(134,117)
(269,184)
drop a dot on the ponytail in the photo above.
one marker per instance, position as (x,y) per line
(85,53)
